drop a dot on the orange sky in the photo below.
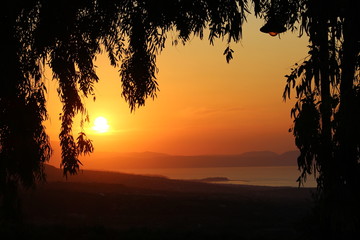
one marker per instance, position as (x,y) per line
(205,106)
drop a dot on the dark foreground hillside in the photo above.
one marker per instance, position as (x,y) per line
(98,205)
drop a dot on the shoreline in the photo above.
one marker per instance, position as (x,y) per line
(256,176)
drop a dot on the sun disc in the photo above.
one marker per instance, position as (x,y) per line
(100,125)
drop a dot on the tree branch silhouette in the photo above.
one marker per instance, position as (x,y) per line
(67,36)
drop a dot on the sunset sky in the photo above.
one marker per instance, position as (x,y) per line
(205,106)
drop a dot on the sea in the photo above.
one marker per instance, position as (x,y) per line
(276,176)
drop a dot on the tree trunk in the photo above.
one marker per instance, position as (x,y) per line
(347,123)
(325,154)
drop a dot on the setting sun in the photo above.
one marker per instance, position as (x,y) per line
(100,125)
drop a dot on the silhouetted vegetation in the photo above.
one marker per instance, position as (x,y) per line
(67,36)
(326,114)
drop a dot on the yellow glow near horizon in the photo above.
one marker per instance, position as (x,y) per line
(101,125)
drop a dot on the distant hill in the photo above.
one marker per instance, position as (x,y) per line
(158,160)
(144,160)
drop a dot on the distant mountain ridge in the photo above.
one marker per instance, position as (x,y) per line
(159,160)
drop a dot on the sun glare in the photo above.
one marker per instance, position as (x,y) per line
(100,125)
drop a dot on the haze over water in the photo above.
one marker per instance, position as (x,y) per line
(279,176)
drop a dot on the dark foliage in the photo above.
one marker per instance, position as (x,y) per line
(68,35)
(326,114)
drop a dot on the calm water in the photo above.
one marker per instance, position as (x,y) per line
(262,176)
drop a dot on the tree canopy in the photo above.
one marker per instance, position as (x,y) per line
(68,35)
(327,111)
